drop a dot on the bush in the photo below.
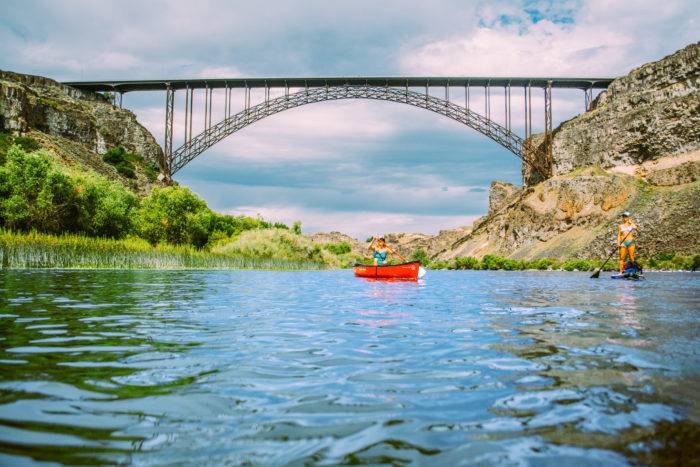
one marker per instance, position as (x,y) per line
(339,248)
(419,254)
(466,262)
(175,215)
(105,208)
(273,244)
(35,196)
(543,264)
(492,262)
(440,265)
(124,162)
(26,143)
(695,265)
(296,227)
(578,264)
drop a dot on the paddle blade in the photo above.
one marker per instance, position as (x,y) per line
(421,272)
(596,274)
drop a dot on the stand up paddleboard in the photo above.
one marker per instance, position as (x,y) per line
(628,276)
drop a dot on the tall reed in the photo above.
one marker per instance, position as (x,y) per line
(36,250)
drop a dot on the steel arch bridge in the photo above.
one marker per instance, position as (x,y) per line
(212,135)
(313,90)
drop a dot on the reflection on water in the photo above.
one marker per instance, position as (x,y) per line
(321,368)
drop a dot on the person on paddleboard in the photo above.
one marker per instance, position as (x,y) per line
(626,235)
(381,251)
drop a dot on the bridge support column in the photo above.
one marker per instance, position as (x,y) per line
(588,98)
(166,166)
(548,122)
(527,93)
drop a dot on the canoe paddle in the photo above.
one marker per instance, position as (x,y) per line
(596,274)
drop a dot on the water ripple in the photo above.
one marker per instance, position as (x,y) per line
(318,368)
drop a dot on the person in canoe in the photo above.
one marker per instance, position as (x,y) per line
(381,251)
(626,235)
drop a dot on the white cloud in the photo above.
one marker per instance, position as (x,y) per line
(606,38)
(219,72)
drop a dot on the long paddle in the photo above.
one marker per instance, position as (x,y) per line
(596,274)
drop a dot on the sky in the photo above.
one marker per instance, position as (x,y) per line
(356,166)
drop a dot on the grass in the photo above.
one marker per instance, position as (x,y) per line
(35,250)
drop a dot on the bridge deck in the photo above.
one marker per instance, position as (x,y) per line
(395,81)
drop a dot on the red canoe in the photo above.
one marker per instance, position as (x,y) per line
(405,271)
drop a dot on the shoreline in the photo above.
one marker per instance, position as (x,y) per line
(34,250)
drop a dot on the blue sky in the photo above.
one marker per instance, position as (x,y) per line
(355,166)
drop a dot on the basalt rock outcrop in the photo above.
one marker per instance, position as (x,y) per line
(652,112)
(637,149)
(75,125)
(576,215)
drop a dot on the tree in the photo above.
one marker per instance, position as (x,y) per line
(106,208)
(36,196)
(175,215)
(296,227)
(419,254)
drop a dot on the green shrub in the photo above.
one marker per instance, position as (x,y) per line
(175,215)
(419,254)
(34,195)
(339,248)
(273,244)
(123,161)
(105,208)
(466,262)
(543,264)
(151,170)
(578,264)
(296,227)
(440,265)
(492,262)
(665,256)
(695,265)
(27,143)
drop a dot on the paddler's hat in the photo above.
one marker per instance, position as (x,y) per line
(626,214)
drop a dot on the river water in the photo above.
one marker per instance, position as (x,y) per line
(321,368)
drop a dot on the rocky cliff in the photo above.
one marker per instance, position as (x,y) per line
(78,127)
(575,215)
(652,112)
(637,149)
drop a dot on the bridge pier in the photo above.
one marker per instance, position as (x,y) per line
(166,166)
(548,124)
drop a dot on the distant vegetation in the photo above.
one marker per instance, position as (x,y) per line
(493,262)
(339,248)
(285,244)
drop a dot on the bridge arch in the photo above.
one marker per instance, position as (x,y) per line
(195,146)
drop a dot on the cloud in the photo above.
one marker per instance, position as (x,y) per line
(600,38)
(219,72)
